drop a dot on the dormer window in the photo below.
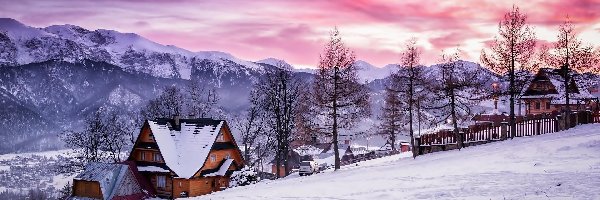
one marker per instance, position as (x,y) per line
(142,155)
(221,138)
(213,158)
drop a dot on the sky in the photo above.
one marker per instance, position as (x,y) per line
(296,30)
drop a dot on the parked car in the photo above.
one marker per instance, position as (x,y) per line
(309,167)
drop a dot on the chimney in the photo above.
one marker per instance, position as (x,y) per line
(176,119)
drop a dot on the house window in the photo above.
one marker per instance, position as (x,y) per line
(161,181)
(548,105)
(221,138)
(157,157)
(142,155)
(213,158)
(227,156)
(537,105)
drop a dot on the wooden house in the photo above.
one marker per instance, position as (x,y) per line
(546,93)
(186,157)
(108,181)
(293,162)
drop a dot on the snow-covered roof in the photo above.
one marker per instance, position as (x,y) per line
(185,150)
(108,175)
(557,80)
(223,169)
(152,169)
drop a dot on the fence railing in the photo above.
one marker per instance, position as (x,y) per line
(493,128)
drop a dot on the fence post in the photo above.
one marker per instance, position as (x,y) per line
(503,130)
(538,124)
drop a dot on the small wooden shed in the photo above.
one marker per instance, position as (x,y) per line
(106,181)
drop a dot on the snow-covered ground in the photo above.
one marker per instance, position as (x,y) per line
(563,165)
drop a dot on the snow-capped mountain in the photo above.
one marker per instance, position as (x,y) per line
(22,44)
(368,72)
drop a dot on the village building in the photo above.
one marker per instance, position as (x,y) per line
(108,181)
(546,93)
(186,157)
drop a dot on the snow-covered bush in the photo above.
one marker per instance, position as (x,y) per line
(246,176)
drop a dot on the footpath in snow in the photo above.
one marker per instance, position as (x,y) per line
(562,165)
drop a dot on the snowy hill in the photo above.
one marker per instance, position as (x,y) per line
(562,165)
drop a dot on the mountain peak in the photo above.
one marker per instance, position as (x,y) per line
(273,61)
(17,29)
(10,22)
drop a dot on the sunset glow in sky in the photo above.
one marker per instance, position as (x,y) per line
(296,30)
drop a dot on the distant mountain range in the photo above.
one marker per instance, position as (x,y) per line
(50,78)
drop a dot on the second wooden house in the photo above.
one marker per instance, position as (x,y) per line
(546,93)
(186,157)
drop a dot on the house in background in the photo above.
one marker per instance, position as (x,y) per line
(108,181)
(293,162)
(546,93)
(186,157)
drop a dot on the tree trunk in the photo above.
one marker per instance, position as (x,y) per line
(512,120)
(335,125)
(566,85)
(410,113)
(457,134)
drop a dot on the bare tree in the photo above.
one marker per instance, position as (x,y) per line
(337,91)
(571,56)
(167,104)
(392,117)
(279,91)
(102,138)
(201,101)
(197,100)
(409,82)
(511,53)
(455,91)
(251,126)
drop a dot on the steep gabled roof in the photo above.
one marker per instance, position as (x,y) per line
(111,177)
(556,79)
(185,147)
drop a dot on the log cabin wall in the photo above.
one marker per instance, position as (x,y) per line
(89,189)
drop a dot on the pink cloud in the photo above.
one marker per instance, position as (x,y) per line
(296,30)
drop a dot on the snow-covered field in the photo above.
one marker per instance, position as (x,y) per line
(563,165)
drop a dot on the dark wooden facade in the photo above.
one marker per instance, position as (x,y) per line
(146,153)
(546,93)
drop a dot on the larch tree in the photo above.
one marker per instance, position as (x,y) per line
(409,81)
(338,93)
(392,117)
(279,91)
(455,90)
(571,56)
(510,55)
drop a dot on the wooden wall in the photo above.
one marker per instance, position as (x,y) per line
(89,189)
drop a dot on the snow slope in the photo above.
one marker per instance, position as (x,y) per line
(563,165)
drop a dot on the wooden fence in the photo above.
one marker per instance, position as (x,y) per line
(491,128)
